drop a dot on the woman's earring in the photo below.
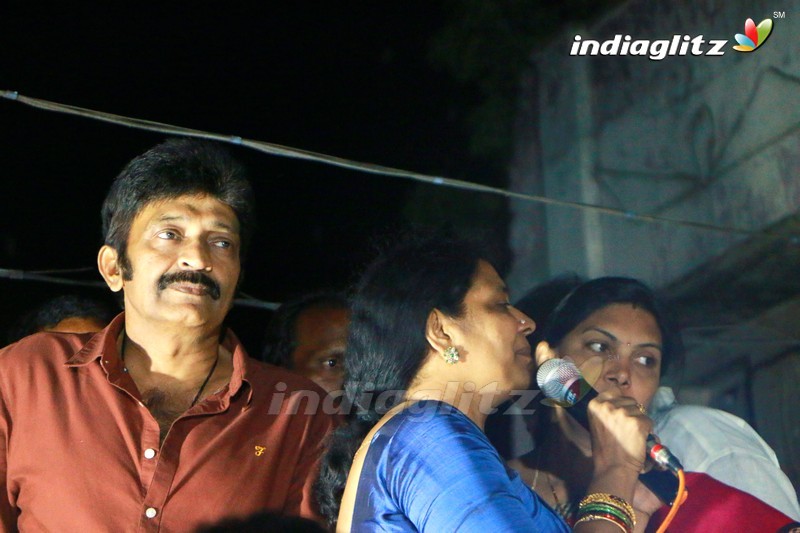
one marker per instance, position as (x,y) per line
(450,355)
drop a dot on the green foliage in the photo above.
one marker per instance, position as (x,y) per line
(486,45)
(467,213)
(460,209)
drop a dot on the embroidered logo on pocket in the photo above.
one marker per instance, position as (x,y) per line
(260,450)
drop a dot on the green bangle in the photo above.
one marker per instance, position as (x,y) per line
(609,499)
(595,507)
(607,518)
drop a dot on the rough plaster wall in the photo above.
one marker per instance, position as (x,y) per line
(707,139)
(528,232)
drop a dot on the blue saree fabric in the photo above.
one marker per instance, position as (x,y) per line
(431,469)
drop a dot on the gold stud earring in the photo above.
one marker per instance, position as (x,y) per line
(450,355)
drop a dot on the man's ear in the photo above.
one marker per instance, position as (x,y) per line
(108,265)
(437,331)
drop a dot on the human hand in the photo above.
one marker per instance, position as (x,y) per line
(543,352)
(645,503)
(618,428)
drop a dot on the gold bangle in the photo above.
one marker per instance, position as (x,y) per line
(593,517)
(610,499)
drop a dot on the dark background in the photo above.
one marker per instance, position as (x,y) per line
(402,84)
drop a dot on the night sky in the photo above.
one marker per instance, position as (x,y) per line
(348,79)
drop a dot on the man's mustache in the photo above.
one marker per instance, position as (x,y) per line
(198,278)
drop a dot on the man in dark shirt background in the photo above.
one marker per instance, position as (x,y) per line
(308,335)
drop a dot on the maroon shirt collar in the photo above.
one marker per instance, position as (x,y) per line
(103,346)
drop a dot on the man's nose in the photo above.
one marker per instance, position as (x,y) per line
(195,256)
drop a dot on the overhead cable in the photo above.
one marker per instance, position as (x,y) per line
(295,153)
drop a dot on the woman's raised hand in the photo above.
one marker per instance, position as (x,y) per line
(619,428)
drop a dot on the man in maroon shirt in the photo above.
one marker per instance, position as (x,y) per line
(160,421)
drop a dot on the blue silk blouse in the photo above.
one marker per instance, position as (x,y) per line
(431,469)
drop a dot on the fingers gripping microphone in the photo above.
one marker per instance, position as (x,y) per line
(561,381)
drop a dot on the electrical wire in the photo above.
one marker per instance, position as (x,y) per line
(286,151)
(680,498)
(245,301)
(35,276)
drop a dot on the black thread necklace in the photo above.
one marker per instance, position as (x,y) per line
(202,387)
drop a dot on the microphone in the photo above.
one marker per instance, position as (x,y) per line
(561,381)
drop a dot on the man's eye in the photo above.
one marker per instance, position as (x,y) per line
(223,244)
(332,362)
(167,234)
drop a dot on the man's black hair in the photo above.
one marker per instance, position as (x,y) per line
(53,311)
(171,169)
(281,336)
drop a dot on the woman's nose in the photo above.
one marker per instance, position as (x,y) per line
(526,323)
(617,372)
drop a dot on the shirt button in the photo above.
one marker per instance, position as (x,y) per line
(149,453)
(150,512)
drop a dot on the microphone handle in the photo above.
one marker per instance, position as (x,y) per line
(580,409)
(662,483)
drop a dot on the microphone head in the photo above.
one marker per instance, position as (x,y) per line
(557,379)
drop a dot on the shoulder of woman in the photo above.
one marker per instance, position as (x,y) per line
(433,424)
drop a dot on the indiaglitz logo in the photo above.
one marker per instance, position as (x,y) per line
(754,36)
(679,45)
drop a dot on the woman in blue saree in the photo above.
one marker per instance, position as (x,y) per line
(434,345)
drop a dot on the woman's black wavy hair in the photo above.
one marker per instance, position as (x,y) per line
(559,305)
(386,342)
